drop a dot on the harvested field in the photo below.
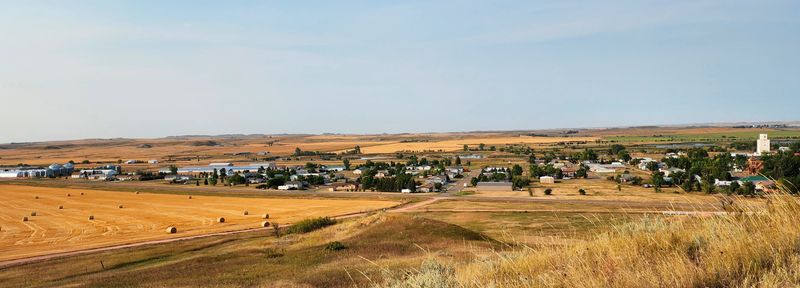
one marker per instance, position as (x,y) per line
(456,145)
(145,217)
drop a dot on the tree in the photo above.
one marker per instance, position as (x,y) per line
(173,169)
(652,166)
(466,147)
(473,181)
(581,191)
(520,181)
(481,146)
(516,170)
(346,163)
(733,188)
(205,181)
(748,189)
(458,161)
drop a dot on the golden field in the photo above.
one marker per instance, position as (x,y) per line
(144,217)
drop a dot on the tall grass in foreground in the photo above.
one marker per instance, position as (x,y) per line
(748,247)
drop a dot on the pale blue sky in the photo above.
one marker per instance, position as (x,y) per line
(85,69)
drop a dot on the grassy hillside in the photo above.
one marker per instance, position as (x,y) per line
(372,246)
(749,247)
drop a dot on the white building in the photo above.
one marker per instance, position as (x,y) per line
(762,145)
(547,180)
(154,161)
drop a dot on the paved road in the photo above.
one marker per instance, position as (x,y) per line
(459,185)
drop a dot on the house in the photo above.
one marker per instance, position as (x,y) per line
(669,171)
(495,186)
(626,178)
(152,161)
(547,180)
(382,174)
(333,168)
(177,178)
(762,183)
(427,188)
(291,185)
(343,187)
(132,162)
(616,165)
(455,169)
(598,168)
(359,171)
(436,180)
(569,172)
(720,183)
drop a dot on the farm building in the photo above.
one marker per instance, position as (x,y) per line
(54,170)
(95,174)
(547,180)
(494,186)
(762,145)
(291,185)
(343,187)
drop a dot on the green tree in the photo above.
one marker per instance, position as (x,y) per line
(173,169)
(458,161)
(346,163)
(516,170)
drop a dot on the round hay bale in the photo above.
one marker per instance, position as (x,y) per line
(190,197)
(246,212)
(68,195)
(265,224)
(120,206)
(33,213)
(221,219)
(60,206)
(266,216)
(91,217)
(25,219)
(137,192)
(172,230)
(81,193)
(37,197)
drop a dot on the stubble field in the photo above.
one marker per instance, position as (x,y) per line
(143,217)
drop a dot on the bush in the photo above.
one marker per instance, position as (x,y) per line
(548,191)
(581,191)
(311,224)
(335,246)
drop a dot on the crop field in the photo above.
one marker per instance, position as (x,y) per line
(61,222)
(456,145)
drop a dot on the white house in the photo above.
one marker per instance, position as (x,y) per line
(291,185)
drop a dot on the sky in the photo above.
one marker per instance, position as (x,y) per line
(141,69)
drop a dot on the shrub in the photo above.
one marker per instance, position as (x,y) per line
(548,191)
(311,224)
(581,191)
(335,246)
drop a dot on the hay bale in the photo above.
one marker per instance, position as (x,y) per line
(33,213)
(265,224)
(266,216)
(246,213)
(37,197)
(91,217)
(221,219)
(137,192)
(190,197)
(25,219)
(81,193)
(120,206)
(68,195)
(60,206)
(172,230)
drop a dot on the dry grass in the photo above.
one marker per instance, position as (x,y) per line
(751,247)
(144,218)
